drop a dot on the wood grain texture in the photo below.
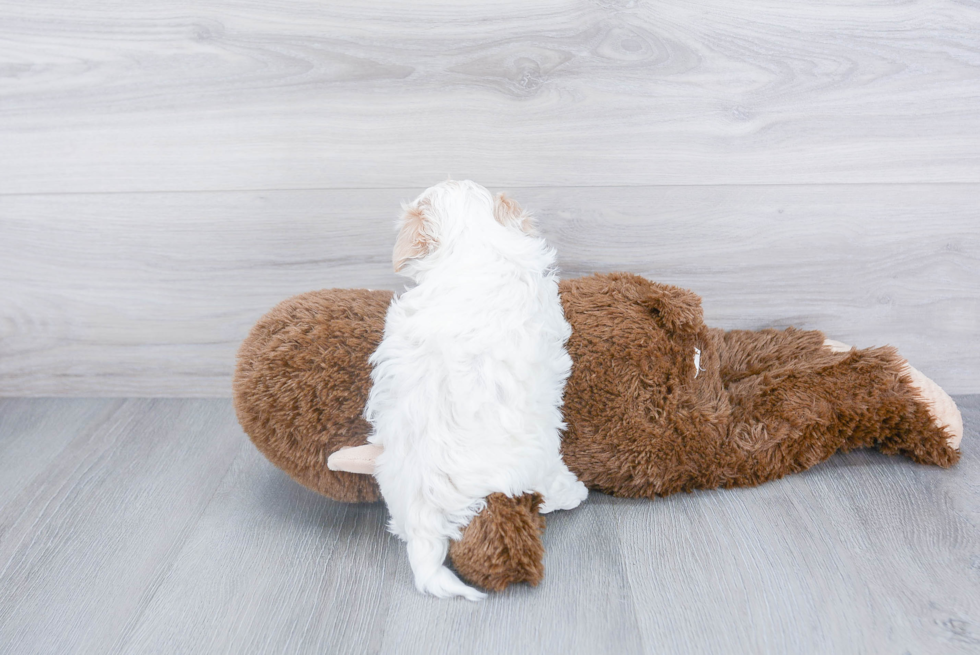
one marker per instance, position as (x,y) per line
(86,543)
(158,529)
(272,567)
(33,437)
(239,95)
(150,294)
(824,562)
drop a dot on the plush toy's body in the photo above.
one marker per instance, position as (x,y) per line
(656,403)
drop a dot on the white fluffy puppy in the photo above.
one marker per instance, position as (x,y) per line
(469,376)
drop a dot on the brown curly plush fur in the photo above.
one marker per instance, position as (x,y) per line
(769,403)
(640,422)
(302,381)
(502,544)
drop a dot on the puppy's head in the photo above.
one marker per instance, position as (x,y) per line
(442,214)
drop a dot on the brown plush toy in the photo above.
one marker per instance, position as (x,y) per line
(656,403)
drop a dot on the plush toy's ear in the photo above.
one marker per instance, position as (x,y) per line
(678,310)
(415,239)
(509,214)
(502,544)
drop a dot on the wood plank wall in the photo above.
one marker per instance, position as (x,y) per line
(169,171)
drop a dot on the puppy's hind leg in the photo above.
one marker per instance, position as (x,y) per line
(562,490)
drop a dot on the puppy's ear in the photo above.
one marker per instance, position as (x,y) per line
(509,214)
(414,240)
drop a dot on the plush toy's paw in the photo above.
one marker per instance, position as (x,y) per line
(444,584)
(837,346)
(941,407)
(358,459)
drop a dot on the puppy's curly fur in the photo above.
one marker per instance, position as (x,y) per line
(468,378)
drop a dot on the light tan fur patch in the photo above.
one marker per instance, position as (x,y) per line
(508,213)
(413,240)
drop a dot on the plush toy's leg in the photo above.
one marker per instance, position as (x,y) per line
(795,401)
(941,407)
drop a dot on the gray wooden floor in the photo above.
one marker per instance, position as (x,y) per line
(153,526)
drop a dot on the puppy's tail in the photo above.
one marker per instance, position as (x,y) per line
(431,576)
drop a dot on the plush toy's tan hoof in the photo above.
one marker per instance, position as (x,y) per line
(837,346)
(942,408)
(358,459)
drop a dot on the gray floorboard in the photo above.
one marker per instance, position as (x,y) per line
(152,526)
(85,543)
